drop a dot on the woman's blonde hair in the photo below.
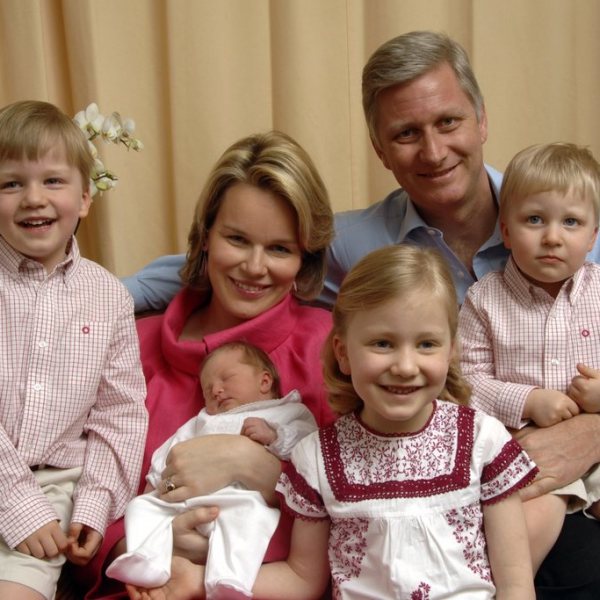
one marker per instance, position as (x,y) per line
(274,162)
(559,166)
(30,128)
(381,276)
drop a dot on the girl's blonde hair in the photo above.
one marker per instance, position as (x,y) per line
(274,162)
(379,277)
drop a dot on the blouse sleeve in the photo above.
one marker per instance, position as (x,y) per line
(299,496)
(507,467)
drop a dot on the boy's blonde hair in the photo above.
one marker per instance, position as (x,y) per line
(560,166)
(255,357)
(381,276)
(30,128)
(271,161)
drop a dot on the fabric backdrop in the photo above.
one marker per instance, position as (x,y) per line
(196,75)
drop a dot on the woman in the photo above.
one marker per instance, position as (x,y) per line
(257,245)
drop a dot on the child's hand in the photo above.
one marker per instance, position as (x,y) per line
(259,431)
(585,389)
(47,542)
(548,407)
(83,544)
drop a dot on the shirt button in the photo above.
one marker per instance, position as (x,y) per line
(555,362)
(42,344)
(431,231)
(38,387)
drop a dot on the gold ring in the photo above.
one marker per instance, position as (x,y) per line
(169,485)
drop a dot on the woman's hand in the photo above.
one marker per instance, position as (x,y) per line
(205,464)
(187,542)
(186,583)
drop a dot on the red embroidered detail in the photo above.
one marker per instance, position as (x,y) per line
(507,473)
(347,548)
(422,592)
(467,527)
(585,332)
(300,500)
(361,465)
(85,329)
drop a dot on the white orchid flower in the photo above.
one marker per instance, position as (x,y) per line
(105,183)
(91,111)
(110,129)
(99,167)
(81,120)
(136,144)
(128,126)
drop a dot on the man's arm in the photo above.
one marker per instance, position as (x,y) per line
(563,452)
(154,286)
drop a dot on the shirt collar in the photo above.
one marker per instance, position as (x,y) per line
(17,264)
(527,291)
(268,330)
(412,220)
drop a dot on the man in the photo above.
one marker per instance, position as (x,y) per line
(427,123)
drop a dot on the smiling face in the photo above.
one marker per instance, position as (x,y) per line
(41,202)
(549,235)
(429,136)
(397,356)
(228,382)
(253,255)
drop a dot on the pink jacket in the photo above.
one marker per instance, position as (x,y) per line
(292,335)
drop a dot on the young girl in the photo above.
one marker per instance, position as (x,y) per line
(409,494)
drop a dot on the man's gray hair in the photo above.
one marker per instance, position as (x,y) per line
(409,56)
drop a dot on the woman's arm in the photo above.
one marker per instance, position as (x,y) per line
(508,549)
(208,463)
(305,573)
(562,452)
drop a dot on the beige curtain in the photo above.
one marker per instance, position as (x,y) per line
(198,74)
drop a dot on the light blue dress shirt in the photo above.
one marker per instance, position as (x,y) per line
(394,220)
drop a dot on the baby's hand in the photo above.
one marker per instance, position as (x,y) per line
(83,543)
(259,431)
(585,389)
(548,407)
(47,542)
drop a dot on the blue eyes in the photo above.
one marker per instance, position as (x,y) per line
(537,220)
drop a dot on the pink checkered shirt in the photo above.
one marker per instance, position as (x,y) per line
(515,337)
(72,390)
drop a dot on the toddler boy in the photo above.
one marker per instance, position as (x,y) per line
(531,335)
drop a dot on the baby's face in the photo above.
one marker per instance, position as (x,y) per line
(227,382)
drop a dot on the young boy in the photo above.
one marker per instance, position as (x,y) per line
(72,389)
(241,391)
(531,335)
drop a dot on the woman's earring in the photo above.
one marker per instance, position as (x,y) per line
(295,286)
